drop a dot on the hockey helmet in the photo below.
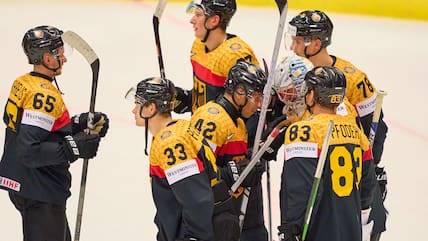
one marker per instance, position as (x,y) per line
(328,83)
(156,90)
(223,8)
(313,24)
(246,75)
(40,40)
(289,83)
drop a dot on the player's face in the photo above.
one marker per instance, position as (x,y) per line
(139,121)
(253,104)
(142,110)
(55,61)
(198,22)
(299,45)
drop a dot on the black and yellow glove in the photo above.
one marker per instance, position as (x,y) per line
(101,123)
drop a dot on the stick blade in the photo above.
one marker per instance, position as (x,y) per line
(77,42)
(159,8)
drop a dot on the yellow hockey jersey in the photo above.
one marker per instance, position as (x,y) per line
(210,69)
(347,181)
(359,89)
(182,171)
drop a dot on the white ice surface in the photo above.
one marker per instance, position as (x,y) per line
(118,204)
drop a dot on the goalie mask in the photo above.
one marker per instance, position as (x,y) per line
(40,40)
(289,84)
(329,85)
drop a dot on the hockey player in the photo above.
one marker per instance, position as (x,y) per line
(290,92)
(288,99)
(41,141)
(213,53)
(222,125)
(290,88)
(182,165)
(311,33)
(344,196)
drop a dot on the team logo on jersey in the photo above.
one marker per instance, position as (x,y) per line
(43,86)
(235,46)
(230,136)
(213,110)
(348,70)
(165,134)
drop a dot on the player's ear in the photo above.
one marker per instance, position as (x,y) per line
(240,94)
(317,43)
(310,98)
(46,58)
(152,107)
(213,21)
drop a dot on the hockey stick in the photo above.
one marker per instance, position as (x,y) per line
(269,202)
(160,7)
(76,42)
(282,7)
(317,179)
(376,115)
(274,133)
(372,134)
(268,186)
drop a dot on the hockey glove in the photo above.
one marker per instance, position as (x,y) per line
(382,181)
(254,177)
(230,173)
(101,123)
(366,226)
(81,145)
(183,101)
(290,233)
(272,151)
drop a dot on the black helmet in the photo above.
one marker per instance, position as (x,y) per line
(328,83)
(223,8)
(156,90)
(312,23)
(40,40)
(247,75)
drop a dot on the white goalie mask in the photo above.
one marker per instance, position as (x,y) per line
(289,83)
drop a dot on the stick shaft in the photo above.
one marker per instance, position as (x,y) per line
(160,7)
(315,184)
(376,115)
(77,42)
